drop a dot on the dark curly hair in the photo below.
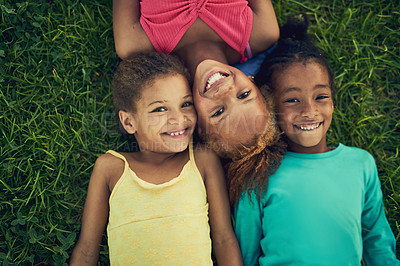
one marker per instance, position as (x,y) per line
(135,73)
(295,45)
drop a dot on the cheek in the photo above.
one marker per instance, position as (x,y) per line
(202,104)
(153,121)
(284,118)
(328,110)
(192,116)
(283,124)
(328,116)
(200,115)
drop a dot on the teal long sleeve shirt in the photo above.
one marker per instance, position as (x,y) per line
(319,209)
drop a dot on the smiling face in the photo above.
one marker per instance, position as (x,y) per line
(303,99)
(229,105)
(163,121)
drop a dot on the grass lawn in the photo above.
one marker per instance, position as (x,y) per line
(56,61)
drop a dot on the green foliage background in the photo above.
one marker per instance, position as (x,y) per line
(56,62)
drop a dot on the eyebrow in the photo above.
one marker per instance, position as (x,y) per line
(164,101)
(318,86)
(155,102)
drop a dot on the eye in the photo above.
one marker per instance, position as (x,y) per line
(321,97)
(218,113)
(187,104)
(244,95)
(159,109)
(292,100)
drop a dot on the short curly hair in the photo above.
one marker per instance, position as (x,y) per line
(139,71)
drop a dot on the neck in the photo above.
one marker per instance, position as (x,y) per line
(156,158)
(193,54)
(319,148)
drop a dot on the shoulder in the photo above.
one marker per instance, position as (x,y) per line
(357,158)
(205,158)
(357,153)
(108,162)
(109,167)
(203,151)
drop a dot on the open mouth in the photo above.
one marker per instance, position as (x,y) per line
(176,133)
(308,127)
(214,78)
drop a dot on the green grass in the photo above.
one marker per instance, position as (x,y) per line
(56,61)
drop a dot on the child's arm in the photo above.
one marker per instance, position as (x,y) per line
(224,242)
(129,36)
(95,214)
(265,30)
(379,244)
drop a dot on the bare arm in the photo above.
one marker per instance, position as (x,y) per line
(95,214)
(265,31)
(129,36)
(224,242)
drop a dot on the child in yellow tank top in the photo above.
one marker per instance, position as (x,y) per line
(160,202)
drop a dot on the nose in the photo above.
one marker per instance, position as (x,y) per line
(309,109)
(223,90)
(176,117)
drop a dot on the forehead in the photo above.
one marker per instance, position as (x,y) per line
(300,74)
(166,86)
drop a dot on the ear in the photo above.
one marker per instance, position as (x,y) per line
(250,77)
(127,121)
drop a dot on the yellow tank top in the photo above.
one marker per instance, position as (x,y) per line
(164,224)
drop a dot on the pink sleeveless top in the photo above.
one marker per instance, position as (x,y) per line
(165,22)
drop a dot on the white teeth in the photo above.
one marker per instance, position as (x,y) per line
(309,127)
(177,133)
(215,77)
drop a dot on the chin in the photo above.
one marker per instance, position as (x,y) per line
(179,148)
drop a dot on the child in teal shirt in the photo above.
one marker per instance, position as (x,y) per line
(323,206)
